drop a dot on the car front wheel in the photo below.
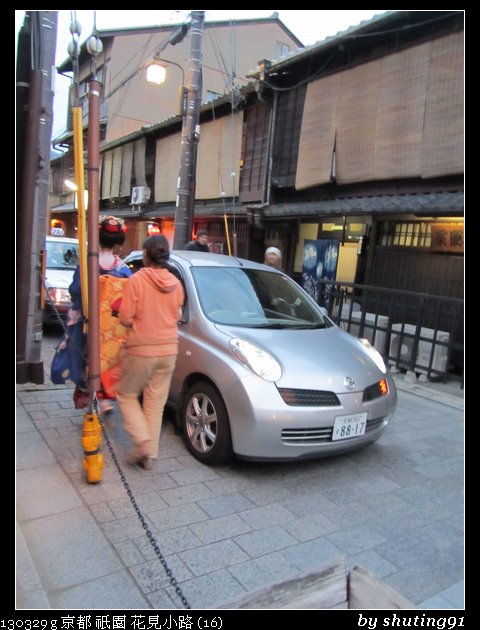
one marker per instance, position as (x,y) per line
(206,426)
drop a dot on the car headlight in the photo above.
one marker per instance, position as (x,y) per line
(59,296)
(259,361)
(374,354)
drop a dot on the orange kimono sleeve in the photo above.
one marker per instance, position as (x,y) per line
(112,333)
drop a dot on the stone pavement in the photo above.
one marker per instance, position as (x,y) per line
(395,508)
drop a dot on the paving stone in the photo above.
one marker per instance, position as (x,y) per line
(377,485)
(220,528)
(89,555)
(177,516)
(226,504)
(355,539)
(260,572)
(151,575)
(312,553)
(264,541)
(186,494)
(310,527)
(208,591)
(117,591)
(31,451)
(268,516)
(373,562)
(266,495)
(42,491)
(212,557)
(169,542)
(193,476)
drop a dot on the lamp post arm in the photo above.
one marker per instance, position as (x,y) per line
(172,63)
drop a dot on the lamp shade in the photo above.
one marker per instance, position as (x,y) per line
(156,73)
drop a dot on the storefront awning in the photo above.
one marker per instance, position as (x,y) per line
(426,204)
(66,207)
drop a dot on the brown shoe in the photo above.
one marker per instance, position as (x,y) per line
(147,463)
(139,453)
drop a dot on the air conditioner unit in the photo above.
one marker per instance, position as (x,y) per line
(140,195)
(379,328)
(401,348)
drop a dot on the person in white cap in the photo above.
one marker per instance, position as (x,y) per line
(273,257)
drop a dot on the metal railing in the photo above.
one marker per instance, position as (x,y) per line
(413,331)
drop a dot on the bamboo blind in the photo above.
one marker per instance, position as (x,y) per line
(127,161)
(107,174)
(317,136)
(167,163)
(443,144)
(116,172)
(356,123)
(139,161)
(400,113)
(398,116)
(218,156)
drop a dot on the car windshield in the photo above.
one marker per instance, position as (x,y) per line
(255,298)
(61,255)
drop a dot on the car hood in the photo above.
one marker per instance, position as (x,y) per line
(59,278)
(314,359)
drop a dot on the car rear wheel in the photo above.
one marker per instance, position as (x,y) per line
(206,426)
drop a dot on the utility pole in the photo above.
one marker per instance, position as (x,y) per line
(190,136)
(93,335)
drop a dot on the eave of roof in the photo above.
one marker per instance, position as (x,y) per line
(306,51)
(418,203)
(363,29)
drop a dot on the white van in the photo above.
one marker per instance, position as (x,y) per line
(61,260)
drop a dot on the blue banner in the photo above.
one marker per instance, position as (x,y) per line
(320,258)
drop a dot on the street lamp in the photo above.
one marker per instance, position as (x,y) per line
(157,72)
(157,68)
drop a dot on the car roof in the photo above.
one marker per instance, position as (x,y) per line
(62,239)
(206,259)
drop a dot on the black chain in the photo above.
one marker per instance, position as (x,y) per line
(148,533)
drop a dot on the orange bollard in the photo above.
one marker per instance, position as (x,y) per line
(91,439)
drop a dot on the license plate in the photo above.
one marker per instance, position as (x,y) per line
(350,426)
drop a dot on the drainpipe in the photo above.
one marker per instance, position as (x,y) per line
(271,131)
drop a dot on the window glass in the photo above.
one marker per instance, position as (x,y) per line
(61,255)
(254,298)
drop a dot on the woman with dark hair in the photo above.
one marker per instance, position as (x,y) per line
(150,310)
(111,237)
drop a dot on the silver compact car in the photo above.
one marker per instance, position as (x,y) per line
(263,373)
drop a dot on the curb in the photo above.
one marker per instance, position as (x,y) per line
(457,402)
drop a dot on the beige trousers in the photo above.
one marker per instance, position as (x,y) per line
(152,376)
